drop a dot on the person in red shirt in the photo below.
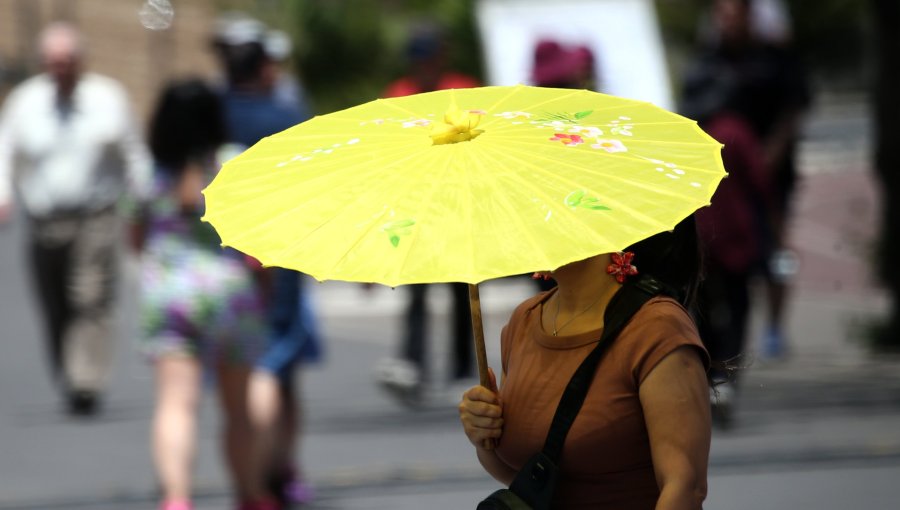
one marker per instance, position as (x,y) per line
(428,66)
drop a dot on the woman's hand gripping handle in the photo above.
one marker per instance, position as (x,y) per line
(481,414)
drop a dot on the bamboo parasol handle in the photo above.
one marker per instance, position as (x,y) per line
(478,335)
(480,352)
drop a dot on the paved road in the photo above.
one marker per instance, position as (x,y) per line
(819,430)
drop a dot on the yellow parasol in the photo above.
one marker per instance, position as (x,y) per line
(463,186)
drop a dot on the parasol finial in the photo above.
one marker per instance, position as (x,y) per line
(458,126)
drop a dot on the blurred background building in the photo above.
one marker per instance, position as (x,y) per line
(119,46)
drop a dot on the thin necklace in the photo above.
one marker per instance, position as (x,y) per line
(572,318)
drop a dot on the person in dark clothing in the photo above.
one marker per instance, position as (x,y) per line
(749,95)
(763,84)
(733,250)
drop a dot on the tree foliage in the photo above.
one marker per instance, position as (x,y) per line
(349,50)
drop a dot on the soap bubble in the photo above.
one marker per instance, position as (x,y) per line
(156,14)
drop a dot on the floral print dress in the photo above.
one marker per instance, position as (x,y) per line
(198,299)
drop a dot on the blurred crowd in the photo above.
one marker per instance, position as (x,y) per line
(74,163)
(71,145)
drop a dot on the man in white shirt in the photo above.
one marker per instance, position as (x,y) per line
(69,144)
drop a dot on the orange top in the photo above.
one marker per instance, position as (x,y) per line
(605,463)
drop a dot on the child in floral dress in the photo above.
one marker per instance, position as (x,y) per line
(201,307)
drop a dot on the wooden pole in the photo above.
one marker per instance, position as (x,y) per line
(480,352)
(478,335)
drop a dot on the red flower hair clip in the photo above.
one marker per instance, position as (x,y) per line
(621,267)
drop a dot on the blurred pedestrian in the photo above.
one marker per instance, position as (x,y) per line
(235,28)
(428,65)
(69,139)
(406,375)
(761,81)
(253,111)
(733,241)
(200,305)
(273,394)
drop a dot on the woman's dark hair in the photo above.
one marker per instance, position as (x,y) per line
(674,258)
(187,125)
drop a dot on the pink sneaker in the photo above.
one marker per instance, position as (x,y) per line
(176,505)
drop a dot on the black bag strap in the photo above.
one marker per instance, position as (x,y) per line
(624,304)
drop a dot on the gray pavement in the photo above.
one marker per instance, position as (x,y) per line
(820,429)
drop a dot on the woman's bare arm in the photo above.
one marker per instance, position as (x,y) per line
(675,400)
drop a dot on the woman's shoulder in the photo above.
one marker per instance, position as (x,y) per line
(517,324)
(663,309)
(664,318)
(519,316)
(658,328)
(528,305)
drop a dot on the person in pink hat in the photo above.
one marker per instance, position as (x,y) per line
(564,67)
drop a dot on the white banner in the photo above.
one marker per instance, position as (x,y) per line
(623,35)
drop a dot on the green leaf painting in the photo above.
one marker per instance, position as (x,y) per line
(396,229)
(580,198)
(571,118)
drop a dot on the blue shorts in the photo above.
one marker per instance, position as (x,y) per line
(293,335)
